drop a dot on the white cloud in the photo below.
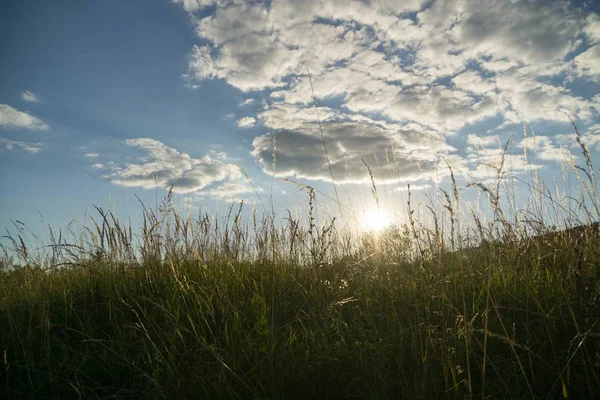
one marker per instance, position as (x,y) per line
(287,116)
(11,118)
(588,62)
(591,137)
(165,166)
(485,154)
(545,149)
(393,155)
(499,66)
(482,141)
(194,5)
(412,188)
(201,63)
(592,28)
(91,155)
(7,144)
(29,96)
(376,70)
(471,81)
(486,163)
(525,31)
(527,99)
(246,122)
(231,190)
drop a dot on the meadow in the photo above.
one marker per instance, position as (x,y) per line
(500,301)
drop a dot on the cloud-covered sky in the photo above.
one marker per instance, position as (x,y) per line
(121,98)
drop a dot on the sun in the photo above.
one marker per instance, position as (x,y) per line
(376,220)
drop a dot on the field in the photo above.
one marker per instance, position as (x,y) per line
(454,303)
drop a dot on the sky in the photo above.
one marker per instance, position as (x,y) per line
(230,100)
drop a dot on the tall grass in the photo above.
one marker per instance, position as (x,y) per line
(457,302)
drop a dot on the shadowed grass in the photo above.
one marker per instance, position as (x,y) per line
(202,308)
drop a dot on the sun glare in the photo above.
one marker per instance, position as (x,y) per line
(376,220)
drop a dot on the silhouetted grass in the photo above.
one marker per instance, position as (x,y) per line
(195,307)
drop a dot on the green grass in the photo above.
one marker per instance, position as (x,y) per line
(349,329)
(457,307)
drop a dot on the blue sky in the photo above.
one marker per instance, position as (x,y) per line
(115,98)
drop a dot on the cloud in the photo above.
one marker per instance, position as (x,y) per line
(11,118)
(527,31)
(201,64)
(395,80)
(246,122)
(486,154)
(592,28)
(486,164)
(591,138)
(545,149)
(194,5)
(527,99)
(7,144)
(412,188)
(231,191)
(91,155)
(165,167)
(29,96)
(476,142)
(588,62)
(393,155)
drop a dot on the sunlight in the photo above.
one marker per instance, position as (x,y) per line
(376,220)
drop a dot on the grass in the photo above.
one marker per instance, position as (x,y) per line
(450,305)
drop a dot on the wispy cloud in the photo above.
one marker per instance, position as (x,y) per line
(233,192)
(29,96)
(7,144)
(545,149)
(246,122)
(164,167)
(412,188)
(11,118)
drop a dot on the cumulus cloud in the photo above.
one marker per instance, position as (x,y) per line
(526,31)
(485,164)
(164,166)
(7,144)
(232,191)
(475,142)
(246,122)
(400,155)
(11,118)
(388,76)
(591,138)
(486,154)
(194,5)
(588,62)
(545,149)
(29,96)
(592,28)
